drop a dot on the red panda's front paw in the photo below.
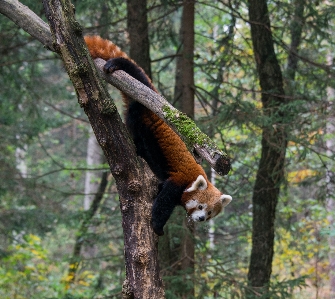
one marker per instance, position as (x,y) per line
(110,67)
(157,229)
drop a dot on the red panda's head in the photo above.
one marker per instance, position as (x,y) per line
(203,201)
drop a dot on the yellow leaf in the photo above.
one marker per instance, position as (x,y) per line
(83,283)
(298,176)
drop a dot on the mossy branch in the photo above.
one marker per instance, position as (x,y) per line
(199,144)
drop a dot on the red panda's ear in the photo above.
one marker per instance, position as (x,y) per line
(226,199)
(199,184)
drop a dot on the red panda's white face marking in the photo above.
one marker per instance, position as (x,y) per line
(203,201)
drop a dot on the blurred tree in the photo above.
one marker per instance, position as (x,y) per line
(270,173)
(177,246)
(330,179)
(137,26)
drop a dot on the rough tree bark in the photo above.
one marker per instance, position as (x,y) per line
(270,172)
(133,178)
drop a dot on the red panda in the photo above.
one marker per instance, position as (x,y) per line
(182,180)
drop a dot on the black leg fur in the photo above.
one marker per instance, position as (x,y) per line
(129,67)
(164,205)
(147,147)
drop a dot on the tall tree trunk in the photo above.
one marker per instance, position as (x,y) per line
(93,179)
(137,24)
(176,252)
(331,209)
(21,165)
(178,86)
(296,31)
(330,177)
(94,157)
(134,180)
(270,172)
(78,249)
(187,63)
(187,106)
(225,43)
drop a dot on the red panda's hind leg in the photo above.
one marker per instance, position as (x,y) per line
(164,204)
(110,67)
(128,66)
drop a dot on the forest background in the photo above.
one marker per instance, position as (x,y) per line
(51,166)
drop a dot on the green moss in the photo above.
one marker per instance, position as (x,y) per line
(187,128)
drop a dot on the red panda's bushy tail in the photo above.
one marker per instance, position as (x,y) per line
(107,50)
(103,48)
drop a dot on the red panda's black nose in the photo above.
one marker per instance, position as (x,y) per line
(202,218)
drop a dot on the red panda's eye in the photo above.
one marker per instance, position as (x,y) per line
(200,207)
(210,212)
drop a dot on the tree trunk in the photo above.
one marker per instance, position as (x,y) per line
(21,165)
(178,86)
(93,179)
(82,231)
(176,248)
(133,177)
(296,31)
(330,177)
(187,68)
(187,106)
(137,24)
(94,157)
(270,172)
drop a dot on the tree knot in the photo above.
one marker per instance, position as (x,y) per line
(117,169)
(134,186)
(141,257)
(126,292)
(102,141)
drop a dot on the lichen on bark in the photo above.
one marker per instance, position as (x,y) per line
(188,129)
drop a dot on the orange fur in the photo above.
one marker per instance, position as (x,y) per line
(186,169)
(102,48)
(210,197)
(175,150)
(105,49)
(186,178)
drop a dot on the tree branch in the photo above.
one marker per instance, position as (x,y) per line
(26,19)
(198,143)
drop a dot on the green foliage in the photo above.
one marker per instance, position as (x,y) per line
(43,126)
(27,271)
